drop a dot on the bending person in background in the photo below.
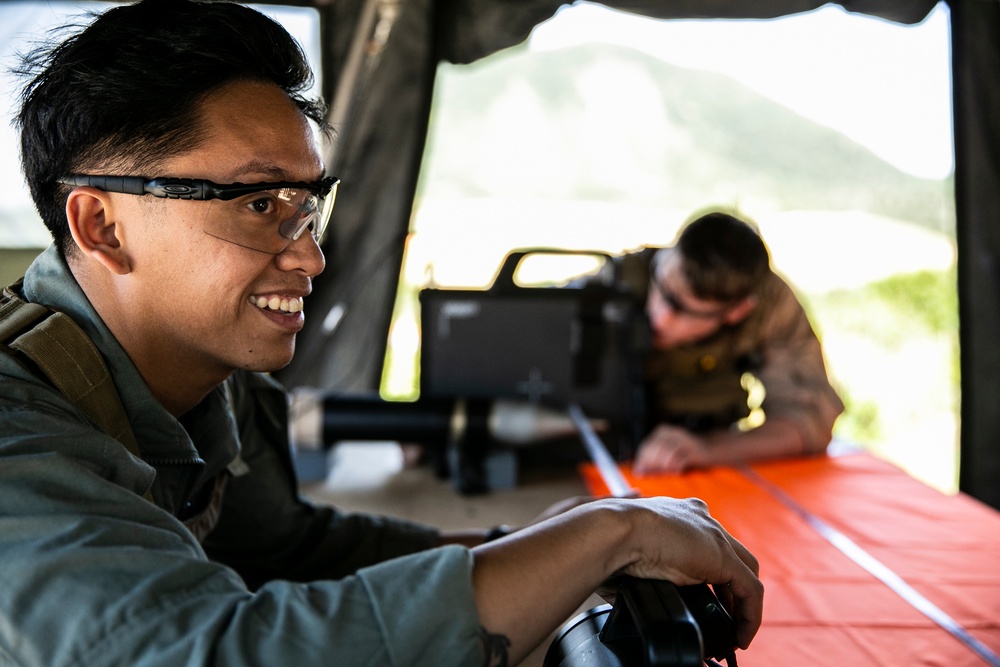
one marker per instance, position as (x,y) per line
(721,321)
(173,533)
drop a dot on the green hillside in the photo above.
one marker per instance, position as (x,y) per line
(611,123)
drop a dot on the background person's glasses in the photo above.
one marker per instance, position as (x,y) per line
(260,216)
(679,307)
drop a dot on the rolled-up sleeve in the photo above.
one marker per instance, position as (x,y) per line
(793,371)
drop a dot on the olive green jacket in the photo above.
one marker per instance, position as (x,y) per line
(94,574)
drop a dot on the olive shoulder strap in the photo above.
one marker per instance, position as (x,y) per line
(68,358)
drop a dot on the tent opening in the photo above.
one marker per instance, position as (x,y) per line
(832,131)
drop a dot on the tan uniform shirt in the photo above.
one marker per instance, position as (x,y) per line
(700,383)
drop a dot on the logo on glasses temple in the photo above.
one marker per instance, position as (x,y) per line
(179,189)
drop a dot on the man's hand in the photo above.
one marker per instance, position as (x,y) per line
(573,554)
(670,449)
(686,545)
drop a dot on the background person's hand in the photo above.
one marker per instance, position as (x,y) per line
(670,449)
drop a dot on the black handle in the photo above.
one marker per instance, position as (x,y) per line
(504,279)
(652,624)
(678,625)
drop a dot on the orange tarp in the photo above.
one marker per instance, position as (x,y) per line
(821,608)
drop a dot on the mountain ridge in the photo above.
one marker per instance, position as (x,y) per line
(609,122)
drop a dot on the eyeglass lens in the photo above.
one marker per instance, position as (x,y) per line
(669,298)
(269,220)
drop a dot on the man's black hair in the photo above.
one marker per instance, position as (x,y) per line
(123,95)
(724,257)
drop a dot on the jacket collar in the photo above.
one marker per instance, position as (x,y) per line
(161,437)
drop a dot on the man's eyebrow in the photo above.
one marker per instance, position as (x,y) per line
(270,171)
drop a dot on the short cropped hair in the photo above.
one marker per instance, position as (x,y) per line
(123,94)
(723,257)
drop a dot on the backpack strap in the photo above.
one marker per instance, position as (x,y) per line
(70,361)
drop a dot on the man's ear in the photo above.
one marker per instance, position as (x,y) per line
(741,310)
(90,215)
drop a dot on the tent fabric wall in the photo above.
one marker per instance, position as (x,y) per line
(377,155)
(976,71)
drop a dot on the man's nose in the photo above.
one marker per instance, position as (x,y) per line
(662,317)
(303,254)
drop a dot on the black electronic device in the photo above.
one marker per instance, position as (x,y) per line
(552,346)
(652,624)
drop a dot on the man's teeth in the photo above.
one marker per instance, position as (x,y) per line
(285,304)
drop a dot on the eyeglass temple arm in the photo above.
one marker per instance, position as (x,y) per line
(173,188)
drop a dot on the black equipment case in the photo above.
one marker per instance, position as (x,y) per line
(546,345)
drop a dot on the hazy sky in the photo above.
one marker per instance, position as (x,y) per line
(885,85)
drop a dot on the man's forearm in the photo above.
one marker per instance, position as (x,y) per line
(775,438)
(569,557)
(525,585)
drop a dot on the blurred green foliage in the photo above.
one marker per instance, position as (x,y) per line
(890,309)
(890,313)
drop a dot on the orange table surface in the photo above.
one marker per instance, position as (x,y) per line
(820,606)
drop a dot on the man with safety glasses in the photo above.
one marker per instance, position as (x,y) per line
(148,506)
(734,371)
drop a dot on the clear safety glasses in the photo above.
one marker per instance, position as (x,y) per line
(668,297)
(260,216)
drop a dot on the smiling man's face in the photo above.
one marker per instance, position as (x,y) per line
(206,302)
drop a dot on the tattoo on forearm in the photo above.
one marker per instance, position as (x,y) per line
(494,648)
